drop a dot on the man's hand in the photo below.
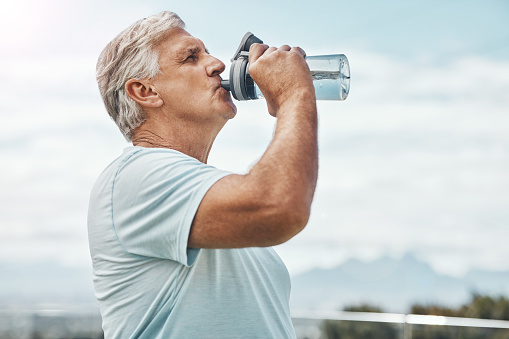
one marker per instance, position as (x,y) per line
(282,74)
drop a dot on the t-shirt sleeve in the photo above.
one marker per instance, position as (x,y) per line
(155,197)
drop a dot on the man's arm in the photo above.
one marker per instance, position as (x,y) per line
(271,203)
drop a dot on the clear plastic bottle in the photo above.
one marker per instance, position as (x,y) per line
(331,77)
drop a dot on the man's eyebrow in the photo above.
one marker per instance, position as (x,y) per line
(191,50)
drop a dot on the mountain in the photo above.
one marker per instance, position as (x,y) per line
(394,285)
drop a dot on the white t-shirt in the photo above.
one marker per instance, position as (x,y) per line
(149,284)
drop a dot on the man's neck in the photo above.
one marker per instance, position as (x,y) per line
(188,139)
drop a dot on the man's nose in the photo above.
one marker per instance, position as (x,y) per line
(215,66)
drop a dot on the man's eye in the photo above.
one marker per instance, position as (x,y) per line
(192,57)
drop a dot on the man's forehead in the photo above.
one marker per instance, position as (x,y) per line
(183,41)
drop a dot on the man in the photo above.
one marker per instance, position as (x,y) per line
(181,249)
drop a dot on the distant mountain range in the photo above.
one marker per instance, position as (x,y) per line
(393,285)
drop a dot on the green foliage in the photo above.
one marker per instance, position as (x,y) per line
(352,329)
(363,308)
(483,307)
(332,329)
(486,307)
(437,310)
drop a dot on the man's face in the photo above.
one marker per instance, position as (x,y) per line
(190,85)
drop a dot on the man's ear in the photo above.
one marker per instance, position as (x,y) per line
(143,93)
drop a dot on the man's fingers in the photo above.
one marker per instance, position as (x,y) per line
(256,50)
(287,48)
(300,50)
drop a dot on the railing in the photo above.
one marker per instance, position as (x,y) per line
(310,324)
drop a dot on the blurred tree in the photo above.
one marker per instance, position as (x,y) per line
(333,329)
(484,307)
(363,308)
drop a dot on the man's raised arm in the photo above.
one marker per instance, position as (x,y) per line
(271,203)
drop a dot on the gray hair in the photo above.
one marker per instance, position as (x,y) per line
(131,56)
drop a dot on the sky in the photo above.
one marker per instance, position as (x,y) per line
(415,160)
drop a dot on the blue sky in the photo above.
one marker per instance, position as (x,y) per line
(416,159)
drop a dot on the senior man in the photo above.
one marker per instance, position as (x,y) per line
(181,249)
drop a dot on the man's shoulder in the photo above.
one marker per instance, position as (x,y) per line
(135,161)
(153,167)
(156,161)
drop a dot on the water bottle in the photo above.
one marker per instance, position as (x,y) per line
(330,73)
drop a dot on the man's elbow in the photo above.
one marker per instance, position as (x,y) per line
(292,219)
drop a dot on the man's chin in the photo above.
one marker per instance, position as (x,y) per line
(231,112)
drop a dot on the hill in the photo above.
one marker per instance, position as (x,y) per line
(394,285)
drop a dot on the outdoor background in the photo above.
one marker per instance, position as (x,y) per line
(416,160)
